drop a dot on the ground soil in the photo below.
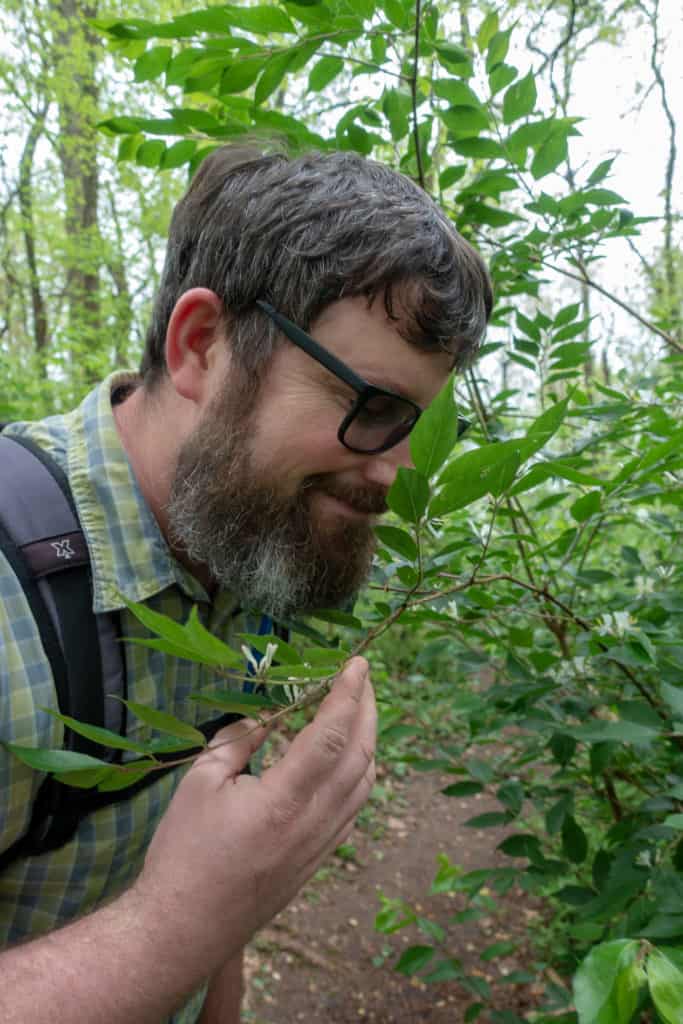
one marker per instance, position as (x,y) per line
(322,961)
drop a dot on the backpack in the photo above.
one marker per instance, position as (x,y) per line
(41,538)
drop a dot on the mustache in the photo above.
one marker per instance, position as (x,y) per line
(370,500)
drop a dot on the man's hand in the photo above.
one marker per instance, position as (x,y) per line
(232,850)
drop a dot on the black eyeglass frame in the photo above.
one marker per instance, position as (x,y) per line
(364,390)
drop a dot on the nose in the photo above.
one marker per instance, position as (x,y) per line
(382,468)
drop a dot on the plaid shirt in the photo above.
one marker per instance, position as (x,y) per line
(131,558)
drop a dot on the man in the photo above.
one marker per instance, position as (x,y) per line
(309,309)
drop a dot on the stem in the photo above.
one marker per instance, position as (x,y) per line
(585,279)
(413,89)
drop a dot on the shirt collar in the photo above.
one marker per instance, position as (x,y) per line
(129,554)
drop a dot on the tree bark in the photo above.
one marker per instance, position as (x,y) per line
(40,329)
(75,60)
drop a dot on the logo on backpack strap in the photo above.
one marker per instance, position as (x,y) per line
(55,554)
(63,548)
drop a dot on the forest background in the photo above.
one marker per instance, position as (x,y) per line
(528,585)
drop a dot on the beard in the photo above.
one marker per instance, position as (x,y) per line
(268,549)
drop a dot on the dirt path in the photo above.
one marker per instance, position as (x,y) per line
(322,961)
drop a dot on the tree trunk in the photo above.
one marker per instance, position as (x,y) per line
(75,59)
(40,333)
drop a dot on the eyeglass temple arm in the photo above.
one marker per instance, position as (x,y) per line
(316,351)
(330,362)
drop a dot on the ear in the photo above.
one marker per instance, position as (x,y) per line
(195,343)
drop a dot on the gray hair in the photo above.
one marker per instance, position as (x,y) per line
(303,232)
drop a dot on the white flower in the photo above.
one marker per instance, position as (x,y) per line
(259,667)
(616,623)
(644,585)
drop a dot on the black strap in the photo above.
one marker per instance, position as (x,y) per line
(70,583)
(41,616)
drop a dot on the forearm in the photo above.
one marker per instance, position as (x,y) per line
(223,999)
(118,965)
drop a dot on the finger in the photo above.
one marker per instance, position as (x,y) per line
(341,734)
(229,751)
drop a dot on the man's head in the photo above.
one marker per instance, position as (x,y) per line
(303,232)
(265,496)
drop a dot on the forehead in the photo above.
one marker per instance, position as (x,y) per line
(368,340)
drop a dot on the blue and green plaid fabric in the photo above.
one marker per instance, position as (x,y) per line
(131,558)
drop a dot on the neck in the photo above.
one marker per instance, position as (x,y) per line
(142,421)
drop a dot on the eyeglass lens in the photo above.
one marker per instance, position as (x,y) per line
(380,422)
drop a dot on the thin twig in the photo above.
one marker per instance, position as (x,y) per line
(413,89)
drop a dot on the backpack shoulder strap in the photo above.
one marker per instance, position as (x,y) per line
(42,540)
(42,528)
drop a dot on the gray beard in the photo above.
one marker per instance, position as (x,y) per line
(269,551)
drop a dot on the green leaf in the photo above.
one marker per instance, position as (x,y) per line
(209,647)
(414,959)
(465,788)
(150,154)
(237,703)
(475,474)
(161,721)
(191,641)
(122,778)
(240,76)
(397,540)
(567,314)
(524,844)
(587,506)
(481,148)
(152,63)
(498,949)
(433,437)
(490,819)
(273,73)
(178,154)
(520,99)
(500,77)
(595,983)
(457,92)
(603,197)
(445,970)
(574,841)
(613,732)
(556,814)
(324,72)
(88,778)
(337,618)
(600,172)
(666,987)
(396,107)
(497,49)
(105,737)
(54,760)
(494,216)
(452,53)
(396,13)
(363,8)
(464,122)
(487,30)
(260,20)
(409,495)
(550,155)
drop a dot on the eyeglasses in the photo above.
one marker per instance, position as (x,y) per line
(378,419)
